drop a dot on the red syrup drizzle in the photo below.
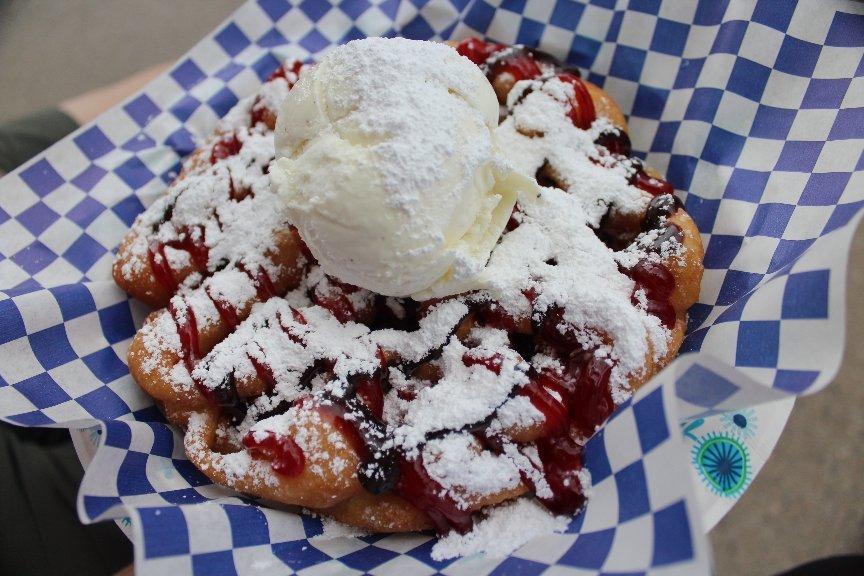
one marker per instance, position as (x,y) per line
(336,300)
(561,400)
(259,113)
(491,363)
(196,248)
(187,330)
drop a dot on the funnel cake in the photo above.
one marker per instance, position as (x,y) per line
(395,415)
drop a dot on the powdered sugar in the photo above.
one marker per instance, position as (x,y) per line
(465,470)
(553,253)
(504,529)
(538,132)
(479,390)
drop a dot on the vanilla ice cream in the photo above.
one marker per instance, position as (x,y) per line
(389,167)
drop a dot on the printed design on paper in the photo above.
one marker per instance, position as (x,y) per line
(723,463)
(742,422)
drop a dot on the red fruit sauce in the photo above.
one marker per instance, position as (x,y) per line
(581,112)
(227,146)
(283,453)
(418,488)
(477,50)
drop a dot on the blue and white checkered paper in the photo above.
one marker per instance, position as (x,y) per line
(754,110)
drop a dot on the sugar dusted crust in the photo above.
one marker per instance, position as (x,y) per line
(392,415)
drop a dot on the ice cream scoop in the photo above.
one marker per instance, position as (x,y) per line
(389,168)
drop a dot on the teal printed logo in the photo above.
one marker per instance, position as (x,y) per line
(723,463)
(722,459)
(742,422)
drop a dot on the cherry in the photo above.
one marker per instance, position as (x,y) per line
(642,180)
(581,112)
(477,50)
(617,142)
(494,316)
(421,490)
(592,400)
(227,146)
(660,207)
(654,277)
(554,330)
(260,113)
(282,72)
(335,299)
(370,392)
(669,233)
(285,456)
(491,363)
(561,459)
(519,65)
(554,410)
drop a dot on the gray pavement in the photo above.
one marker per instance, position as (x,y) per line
(808,501)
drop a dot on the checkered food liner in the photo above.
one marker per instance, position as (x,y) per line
(754,110)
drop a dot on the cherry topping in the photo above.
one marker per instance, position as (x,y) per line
(335,299)
(282,72)
(642,180)
(495,316)
(519,65)
(660,207)
(264,372)
(260,113)
(561,459)
(226,398)
(491,363)
(421,490)
(554,409)
(616,142)
(581,112)
(513,222)
(477,50)
(658,284)
(285,456)
(554,330)
(592,400)
(264,287)
(654,277)
(669,233)
(370,393)
(227,146)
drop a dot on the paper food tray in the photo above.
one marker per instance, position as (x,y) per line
(755,111)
